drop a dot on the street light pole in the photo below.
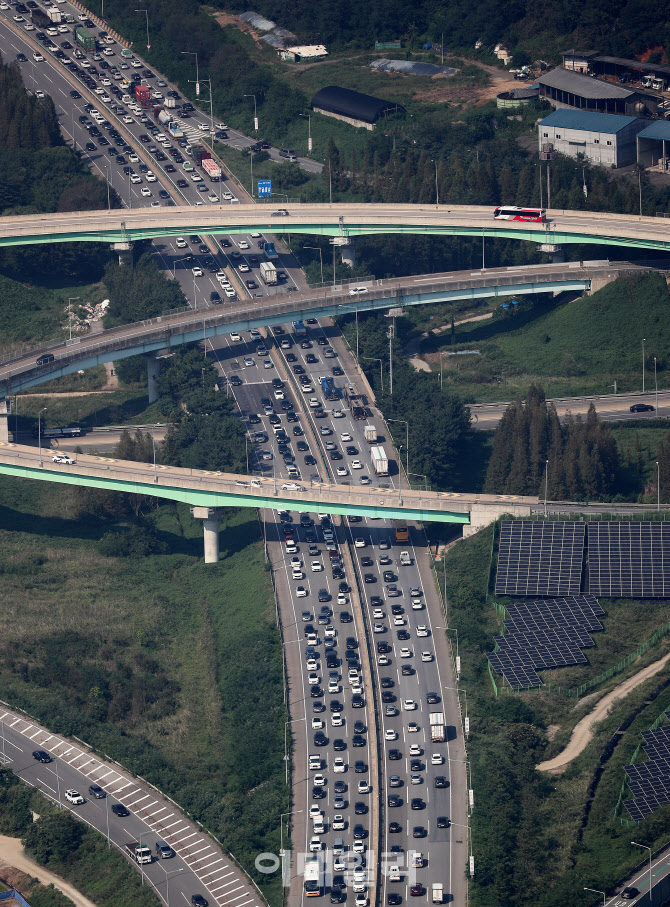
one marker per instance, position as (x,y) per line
(251,161)
(309,130)
(167,882)
(546,484)
(596,891)
(656,385)
(644,846)
(192,53)
(69,311)
(658,484)
(406,441)
(146,13)
(153,438)
(437,188)
(255,111)
(381,371)
(643,342)
(39,433)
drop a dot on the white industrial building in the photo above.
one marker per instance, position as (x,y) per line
(603,138)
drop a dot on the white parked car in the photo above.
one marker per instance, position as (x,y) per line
(345,436)
(74,797)
(292,486)
(336,720)
(399,621)
(243,244)
(301,592)
(405,653)
(413,727)
(197,271)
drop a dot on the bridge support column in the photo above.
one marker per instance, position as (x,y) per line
(4,420)
(555,253)
(598,282)
(153,371)
(482,515)
(348,253)
(210,530)
(125,252)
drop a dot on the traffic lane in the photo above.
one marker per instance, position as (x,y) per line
(60,775)
(608,412)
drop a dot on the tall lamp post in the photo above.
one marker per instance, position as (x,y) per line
(255,111)
(192,53)
(644,847)
(69,312)
(406,441)
(381,371)
(251,163)
(146,13)
(168,876)
(644,339)
(656,386)
(39,433)
(308,117)
(437,188)
(658,484)
(596,891)
(316,249)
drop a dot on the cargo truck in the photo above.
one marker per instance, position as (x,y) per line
(162,116)
(437,727)
(270,251)
(175,130)
(142,94)
(438,892)
(200,153)
(380,461)
(299,328)
(54,15)
(170,102)
(370,432)
(268,273)
(139,853)
(212,169)
(40,18)
(328,388)
(84,39)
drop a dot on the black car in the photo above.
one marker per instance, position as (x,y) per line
(120,810)
(360,767)
(339,745)
(416,765)
(96,792)
(441,781)
(315,691)
(197,900)
(359,727)
(324,595)
(369,578)
(318,793)
(396,609)
(417,803)
(74,94)
(629,893)
(395,828)
(360,809)
(339,787)
(403,635)
(419,832)
(407,670)
(642,408)
(383,648)
(236,381)
(345,617)
(357,740)
(386,683)
(320,739)
(336,705)
(357,701)
(443,822)
(387,696)
(394,800)
(215,298)
(309,460)
(432,698)
(393,899)
(337,371)
(376,601)
(359,833)
(90,146)
(41,756)
(395,754)
(351,643)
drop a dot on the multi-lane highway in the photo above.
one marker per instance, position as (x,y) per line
(194,865)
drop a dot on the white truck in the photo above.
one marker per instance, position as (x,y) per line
(437,727)
(139,853)
(55,15)
(438,892)
(370,434)
(211,168)
(405,559)
(380,461)
(164,117)
(268,273)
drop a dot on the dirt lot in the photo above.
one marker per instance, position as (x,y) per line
(467,94)
(228,19)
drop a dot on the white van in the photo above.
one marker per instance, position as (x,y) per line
(338,846)
(315,844)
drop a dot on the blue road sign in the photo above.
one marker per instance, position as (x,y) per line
(264,188)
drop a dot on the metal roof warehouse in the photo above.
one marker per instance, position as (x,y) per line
(361,110)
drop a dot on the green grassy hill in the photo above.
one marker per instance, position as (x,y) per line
(573,348)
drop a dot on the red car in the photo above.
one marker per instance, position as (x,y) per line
(416,890)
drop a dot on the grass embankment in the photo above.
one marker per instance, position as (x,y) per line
(535,842)
(124,406)
(68,848)
(575,348)
(170,666)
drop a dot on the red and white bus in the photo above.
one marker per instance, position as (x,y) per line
(510,212)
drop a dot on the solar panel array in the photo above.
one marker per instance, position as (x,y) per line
(549,633)
(649,781)
(629,560)
(540,558)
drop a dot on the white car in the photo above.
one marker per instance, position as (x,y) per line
(244,267)
(312,664)
(336,720)
(416,605)
(230,293)
(399,621)
(203,127)
(312,679)
(127,120)
(413,727)
(356,464)
(415,749)
(228,196)
(405,653)
(38,58)
(316,566)
(301,592)
(383,660)
(135,179)
(415,592)
(338,822)
(145,191)
(338,765)
(359,542)
(62,458)
(337,414)
(319,780)
(295,562)
(378,614)
(197,271)
(297,574)
(436,759)
(390,734)
(314,403)
(416,779)
(409,705)
(212,198)
(292,486)
(342,471)
(422,630)
(243,244)
(338,864)
(379,628)
(74,797)
(150,177)
(196,178)
(342,599)
(234,335)
(354,291)
(426,656)
(345,436)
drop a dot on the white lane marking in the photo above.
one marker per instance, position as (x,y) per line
(204,876)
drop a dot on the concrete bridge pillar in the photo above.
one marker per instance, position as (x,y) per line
(4,419)
(125,252)
(555,252)
(482,515)
(348,253)
(598,281)
(153,371)
(210,529)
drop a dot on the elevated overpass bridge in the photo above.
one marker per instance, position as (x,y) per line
(207,492)
(341,220)
(29,368)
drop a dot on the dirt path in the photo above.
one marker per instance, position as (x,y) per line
(12,854)
(583,731)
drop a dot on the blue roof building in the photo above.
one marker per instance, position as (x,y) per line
(653,145)
(603,138)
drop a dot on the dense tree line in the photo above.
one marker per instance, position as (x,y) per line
(579,459)
(139,292)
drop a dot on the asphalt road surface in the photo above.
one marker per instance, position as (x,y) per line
(198,866)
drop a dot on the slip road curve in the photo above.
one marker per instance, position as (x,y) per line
(583,730)
(340,220)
